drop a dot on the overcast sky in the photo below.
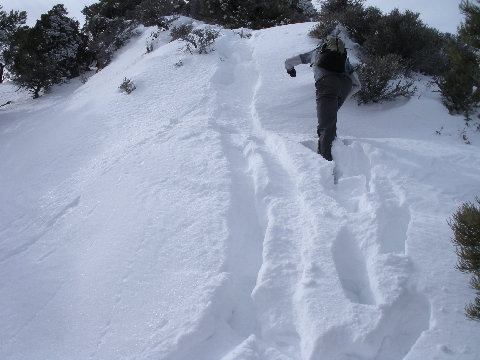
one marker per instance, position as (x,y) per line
(35,8)
(441,14)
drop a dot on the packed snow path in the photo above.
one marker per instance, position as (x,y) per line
(192,220)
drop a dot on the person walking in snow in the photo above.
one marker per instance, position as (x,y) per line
(335,80)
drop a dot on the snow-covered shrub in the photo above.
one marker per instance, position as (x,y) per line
(459,87)
(47,54)
(465,224)
(149,47)
(383,78)
(181,31)
(244,34)
(127,86)
(201,40)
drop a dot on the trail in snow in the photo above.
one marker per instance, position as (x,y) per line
(194,220)
(331,255)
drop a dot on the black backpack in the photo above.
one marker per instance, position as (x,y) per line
(333,55)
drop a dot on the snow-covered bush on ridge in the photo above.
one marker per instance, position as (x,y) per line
(181,31)
(465,224)
(201,39)
(244,34)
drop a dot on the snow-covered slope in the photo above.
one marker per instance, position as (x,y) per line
(191,220)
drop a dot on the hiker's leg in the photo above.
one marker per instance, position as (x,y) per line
(345,86)
(327,106)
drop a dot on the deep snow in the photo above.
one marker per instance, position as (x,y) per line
(191,219)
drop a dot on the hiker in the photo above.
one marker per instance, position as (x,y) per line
(335,80)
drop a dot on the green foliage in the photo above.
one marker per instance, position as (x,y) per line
(155,12)
(465,224)
(201,40)
(469,31)
(50,52)
(108,27)
(399,38)
(111,23)
(359,21)
(251,13)
(383,79)
(460,86)
(422,48)
(404,34)
(9,23)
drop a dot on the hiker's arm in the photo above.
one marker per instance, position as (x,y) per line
(305,58)
(356,85)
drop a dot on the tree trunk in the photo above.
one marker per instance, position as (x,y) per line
(2,67)
(36,92)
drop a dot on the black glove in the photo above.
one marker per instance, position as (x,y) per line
(292,72)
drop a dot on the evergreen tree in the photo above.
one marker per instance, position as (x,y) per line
(109,24)
(255,14)
(9,23)
(50,52)
(153,12)
(469,31)
(466,230)
(404,34)
(460,87)
(360,21)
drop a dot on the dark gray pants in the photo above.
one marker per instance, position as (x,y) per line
(332,90)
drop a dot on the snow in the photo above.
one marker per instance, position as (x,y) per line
(192,220)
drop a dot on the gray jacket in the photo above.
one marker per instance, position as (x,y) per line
(310,58)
